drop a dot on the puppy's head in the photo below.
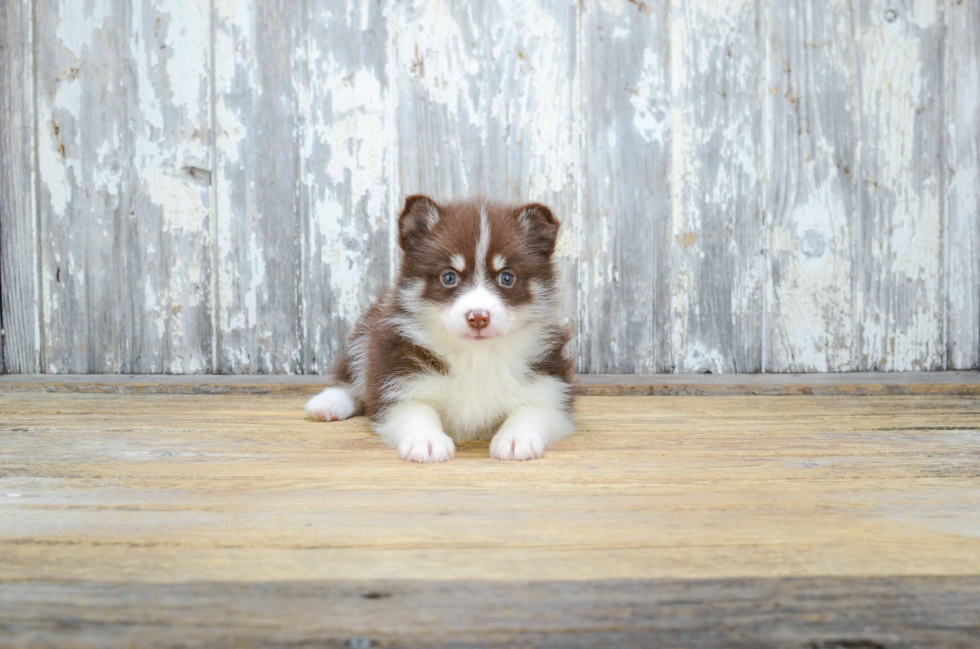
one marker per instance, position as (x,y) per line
(476,271)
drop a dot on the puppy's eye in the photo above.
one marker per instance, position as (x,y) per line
(449,279)
(506,279)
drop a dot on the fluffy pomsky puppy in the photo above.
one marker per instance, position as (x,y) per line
(468,342)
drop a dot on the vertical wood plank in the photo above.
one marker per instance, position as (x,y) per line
(345,157)
(865,148)
(487,104)
(260,218)
(626,238)
(123,157)
(84,161)
(811,197)
(440,53)
(718,234)
(899,276)
(20,340)
(533,122)
(169,112)
(962,128)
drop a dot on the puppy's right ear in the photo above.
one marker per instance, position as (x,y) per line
(419,215)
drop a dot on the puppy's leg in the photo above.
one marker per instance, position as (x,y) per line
(333,404)
(527,432)
(415,430)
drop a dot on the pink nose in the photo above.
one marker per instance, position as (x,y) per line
(478,318)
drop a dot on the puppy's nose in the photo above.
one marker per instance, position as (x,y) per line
(478,318)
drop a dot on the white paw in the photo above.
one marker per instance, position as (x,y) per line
(426,447)
(517,444)
(333,404)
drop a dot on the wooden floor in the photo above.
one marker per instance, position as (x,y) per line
(797,521)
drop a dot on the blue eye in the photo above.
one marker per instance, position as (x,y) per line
(506,279)
(449,279)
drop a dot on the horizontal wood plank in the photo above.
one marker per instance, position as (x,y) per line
(802,521)
(822,612)
(242,487)
(962,383)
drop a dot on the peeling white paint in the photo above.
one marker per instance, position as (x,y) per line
(700,359)
(53,168)
(650,117)
(902,326)
(469,98)
(962,224)
(78,22)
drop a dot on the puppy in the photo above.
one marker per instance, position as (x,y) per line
(468,343)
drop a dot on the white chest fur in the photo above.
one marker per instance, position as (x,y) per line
(485,383)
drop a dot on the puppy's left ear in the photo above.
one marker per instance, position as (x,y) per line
(540,226)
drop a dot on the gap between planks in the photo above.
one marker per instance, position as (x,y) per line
(958,383)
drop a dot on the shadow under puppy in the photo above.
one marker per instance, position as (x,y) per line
(468,342)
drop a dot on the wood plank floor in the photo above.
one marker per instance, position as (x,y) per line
(802,521)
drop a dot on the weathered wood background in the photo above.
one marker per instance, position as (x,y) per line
(746,185)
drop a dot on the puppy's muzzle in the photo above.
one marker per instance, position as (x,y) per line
(478,319)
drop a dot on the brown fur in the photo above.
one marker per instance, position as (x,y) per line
(525,236)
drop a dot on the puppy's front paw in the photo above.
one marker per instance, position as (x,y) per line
(517,444)
(426,447)
(333,404)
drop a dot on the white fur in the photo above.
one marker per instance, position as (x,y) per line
(432,217)
(458,262)
(488,381)
(522,219)
(473,405)
(527,431)
(482,246)
(454,318)
(499,262)
(488,386)
(333,404)
(414,429)
(357,353)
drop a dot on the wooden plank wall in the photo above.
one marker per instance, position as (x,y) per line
(20,339)
(745,185)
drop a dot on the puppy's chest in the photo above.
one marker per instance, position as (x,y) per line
(476,394)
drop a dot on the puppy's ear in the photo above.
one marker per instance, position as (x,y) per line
(540,227)
(418,216)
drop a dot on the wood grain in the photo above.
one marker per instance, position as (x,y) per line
(744,186)
(259,166)
(718,235)
(811,203)
(821,612)
(853,384)
(626,242)
(243,488)
(961,74)
(347,185)
(123,123)
(20,334)
(533,124)
(899,277)
(713,521)
(486,97)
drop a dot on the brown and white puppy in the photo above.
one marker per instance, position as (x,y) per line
(468,342)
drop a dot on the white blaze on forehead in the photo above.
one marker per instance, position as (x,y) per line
(499,262)
(458,263)
(482,244)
